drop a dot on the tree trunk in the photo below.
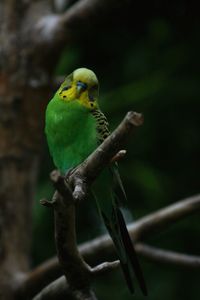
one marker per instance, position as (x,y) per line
(23,97)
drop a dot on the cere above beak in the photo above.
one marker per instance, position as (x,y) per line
(81,86)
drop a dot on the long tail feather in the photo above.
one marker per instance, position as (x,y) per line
(108,207)
(131,252)
(122,256)
(118,183)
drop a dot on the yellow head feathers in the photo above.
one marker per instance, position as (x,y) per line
(82,86)
(85,75)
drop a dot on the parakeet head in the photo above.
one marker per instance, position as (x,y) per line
(82,86)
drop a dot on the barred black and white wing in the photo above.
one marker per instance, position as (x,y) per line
(102,125)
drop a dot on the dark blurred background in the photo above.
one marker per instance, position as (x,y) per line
(147,60)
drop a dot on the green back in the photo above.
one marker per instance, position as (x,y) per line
(71,133)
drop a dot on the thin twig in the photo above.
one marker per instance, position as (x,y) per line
(105,267)
(118,156)
(167,257)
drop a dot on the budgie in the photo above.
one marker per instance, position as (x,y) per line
(75,126)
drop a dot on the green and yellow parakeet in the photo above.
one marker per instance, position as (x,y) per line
(75,126)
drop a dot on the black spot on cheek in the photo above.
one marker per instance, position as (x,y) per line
(91,104)
(64,96)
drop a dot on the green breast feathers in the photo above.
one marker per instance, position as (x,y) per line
(73,132)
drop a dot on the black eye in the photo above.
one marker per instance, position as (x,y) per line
(66,88)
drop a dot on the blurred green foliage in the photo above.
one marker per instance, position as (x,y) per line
(148,62)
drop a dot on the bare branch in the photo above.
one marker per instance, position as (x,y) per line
(151,253)
(118,156)
(105,267)
(102,249)
(171,258)
(39,278)
(58,289)
(87,10)
(156,221)
(102,156)
(75,269)
(59,28)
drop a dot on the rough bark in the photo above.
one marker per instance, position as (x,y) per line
(22,103)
